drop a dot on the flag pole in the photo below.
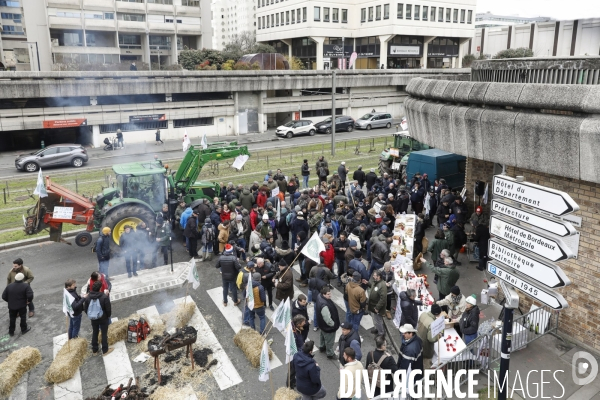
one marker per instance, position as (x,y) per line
(187,286)
(271,382)
(68,341)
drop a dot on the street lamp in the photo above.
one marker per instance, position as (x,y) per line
(37,53)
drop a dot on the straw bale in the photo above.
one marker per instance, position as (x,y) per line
(251,343)
(67,362)
(180,315)
(169,392)
(117,330)
(285,393)
(15,366)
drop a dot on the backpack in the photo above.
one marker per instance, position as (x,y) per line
(239,281)
(95,310)
(376,366)
(209,234)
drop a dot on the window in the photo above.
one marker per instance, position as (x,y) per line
(190,3)
(425,12)
(370,13)
(180,123)
(441,14)
(71,39)
(400,12)
(138,126)
(12,30)
(408,11)
(282,14)
(448,11)
(363,15)
(263,23)
(325,14)
(335,15)
(263,4)
(432,15)
(90,39)
(131,17)
(287,17)
(168,2)
(14,17)
(259,23)
(417,14)
(68,14)
(321,113)
(294,16)
(109,15)
(386,11)
(130,41)
(470,17)
(92,16)
(317,13)
(378,13)
(7,3)
(277,19)
(303,14)
(344,16)
(258,3)
(455,14)
(462,16)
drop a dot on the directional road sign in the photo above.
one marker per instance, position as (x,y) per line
(545,199)
(546,296)
(549,224)
(546,274)
(553,249)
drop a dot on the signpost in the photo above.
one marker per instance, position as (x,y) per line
(548,297)
(543,273)
(548,224)
(553,249)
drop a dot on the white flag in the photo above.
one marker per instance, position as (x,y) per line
(282,316)
(485,194)
(404,124)
(40,188)
(278,210)
(250,293)
(186,141)
(290,344)
(68,300)
(204,142)
(193,277)
(265,363)
(313,247)
(427,203)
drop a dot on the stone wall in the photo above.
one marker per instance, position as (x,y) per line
(581,321)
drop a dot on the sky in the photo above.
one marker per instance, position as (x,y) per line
(556,9)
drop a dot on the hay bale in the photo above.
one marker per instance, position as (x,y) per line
(67,362)
(179,316)
(250,342)
(117,330)
(15,366)
(286,393)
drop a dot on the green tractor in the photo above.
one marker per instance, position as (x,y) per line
(394,159)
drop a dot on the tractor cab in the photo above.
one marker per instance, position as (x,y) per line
(394,159)
(142,181)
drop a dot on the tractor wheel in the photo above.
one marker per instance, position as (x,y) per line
(131,215)
(385,166)
(83,239)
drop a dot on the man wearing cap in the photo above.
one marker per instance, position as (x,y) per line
(411,351)
(469,320)
(127,243)
(370,179)
(359,176)
(229,266)
(18,294)
(259,303)
(478,216)
(456,304)
(425,183)
(349,338)
(103,251)
(19,267)
(424,333)
(357,300)
(178,211)
(377,302)
(416,198)
(380,253)
(350,252)
(163,240)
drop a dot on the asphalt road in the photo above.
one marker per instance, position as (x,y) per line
(53,263)
(172,149)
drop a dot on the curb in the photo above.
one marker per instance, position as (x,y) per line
(25,242)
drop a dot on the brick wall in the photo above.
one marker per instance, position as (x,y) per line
(581,321)
(478,170)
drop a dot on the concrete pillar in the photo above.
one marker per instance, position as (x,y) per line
(461,51)
(262,116)
(173,49)
(199,42)
(289,44)
(426,41)
(383,50)
(146,48)
(96,139)
(319,40)
(236,116)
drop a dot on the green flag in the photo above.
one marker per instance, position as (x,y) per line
(265,363)
(193,277)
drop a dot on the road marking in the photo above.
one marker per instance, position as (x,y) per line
(224,372)
(70,389)
(117,364)
(151,314)
(19,392)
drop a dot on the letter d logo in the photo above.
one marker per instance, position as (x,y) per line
(580,367)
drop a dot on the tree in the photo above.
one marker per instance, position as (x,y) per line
(191,59)
(514,53)
(262,48)
(468,60)
(295,63)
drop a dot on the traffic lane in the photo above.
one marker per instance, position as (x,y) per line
(8,170)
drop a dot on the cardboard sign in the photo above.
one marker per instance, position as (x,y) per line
(62,213)
(437,326)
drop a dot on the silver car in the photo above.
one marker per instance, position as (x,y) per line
(52,156)
(374,120)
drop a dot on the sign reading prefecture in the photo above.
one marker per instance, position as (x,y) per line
(549,224)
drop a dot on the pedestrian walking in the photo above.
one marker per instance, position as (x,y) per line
(328,321)
(127,243)
(359,176)
(259,303)
(19,267)
(163,240)
(377,300)
(207,238)
(18,294)
(322,168)
(308,374)
(343,173)
(103,251)
(157,137)
(120,139)
(229,266)
(133,67)
(77,307)
(98,309)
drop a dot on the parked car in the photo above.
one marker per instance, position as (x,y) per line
(51,156)
(374,120)
(342,123)
(295,128)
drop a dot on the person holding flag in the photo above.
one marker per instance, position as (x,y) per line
(284,282)
(73,307)
(255,301)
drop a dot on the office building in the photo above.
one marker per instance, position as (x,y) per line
(487,19)
(382,33)
(230,18)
